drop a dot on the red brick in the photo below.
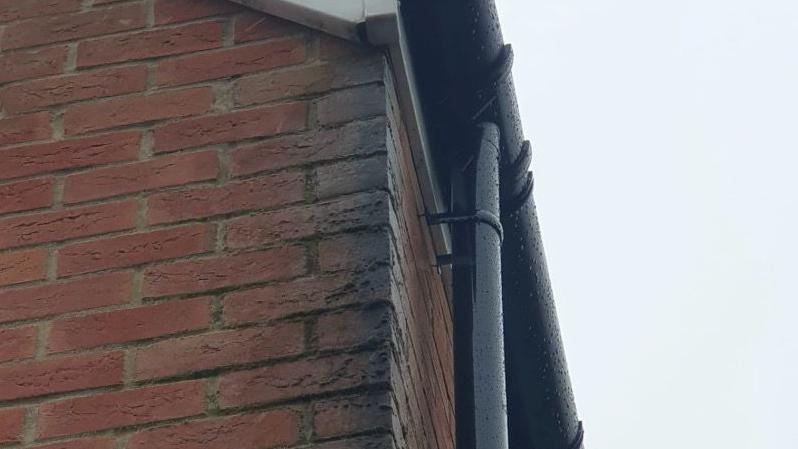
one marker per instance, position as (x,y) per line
(357,414)
(350,328)
(256,26)
(50,157)
(122,326)
(306,80)
(255,431)
(22,65)
(354,139)
(220,272)
(67,224)
(354,252)
(22,266)
(304,295)
(231,127)
(26,195)
(351,104)
(218,350)
(303,378)
(17,343)
(11,423)
(39,378)
(351,212)
(16,10)
(172,170)
(53,91)
(84,443)
(68,27)
(53,299)
(25,128)
(150,44)
(172,11)
(136,249)
(121,408)
(231,61)
(256,193)
(139,109)
(352,176)
(338,49)
(368,442)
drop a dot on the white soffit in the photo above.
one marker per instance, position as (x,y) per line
(356,20)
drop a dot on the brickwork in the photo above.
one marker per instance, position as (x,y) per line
(211,236)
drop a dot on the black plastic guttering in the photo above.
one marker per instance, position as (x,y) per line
(462,70)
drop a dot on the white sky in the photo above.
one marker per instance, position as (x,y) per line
(665,136)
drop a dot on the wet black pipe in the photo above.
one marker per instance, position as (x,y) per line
(480,396)
(462,69)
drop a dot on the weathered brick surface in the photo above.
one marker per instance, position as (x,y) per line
(103,442)
(351,176)
(41,93)
(231,127)
(22,266)
(121,326)
(11,422)
(211,236)
(304,80)
(351,104)
(38,378)
(150,44)
(317,145)
(26,195)
(229,62)
(16,10)
(78,25)
(136,249)
(217,350)
(167,171)
(341,214)
(17,343)
(21,65)
(256,193)
(353,414)
(306,377)
(303,296)
(67,224)
(263,430)
(53,299)
(254,26)
(221,272)
(172,11)
(25,128)
(121,409)
(139,109)
(50,157)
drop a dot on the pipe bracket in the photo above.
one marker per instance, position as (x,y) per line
(480,216)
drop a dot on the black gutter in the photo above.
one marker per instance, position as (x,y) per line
(462,71)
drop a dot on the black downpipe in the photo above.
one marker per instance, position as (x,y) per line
(480,397)
(462,69)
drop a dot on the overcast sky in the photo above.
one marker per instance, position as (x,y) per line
(665,136)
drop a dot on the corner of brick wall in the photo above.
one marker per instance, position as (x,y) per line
(210,237)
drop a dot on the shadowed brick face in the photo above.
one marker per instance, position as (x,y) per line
(211,237)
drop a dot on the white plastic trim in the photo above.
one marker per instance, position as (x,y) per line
(348,19)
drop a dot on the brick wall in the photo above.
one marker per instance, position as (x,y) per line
(211,236)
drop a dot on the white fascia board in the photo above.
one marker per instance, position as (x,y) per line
(375,22)
(349,19)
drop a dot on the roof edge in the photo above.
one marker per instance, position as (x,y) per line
(368,21)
